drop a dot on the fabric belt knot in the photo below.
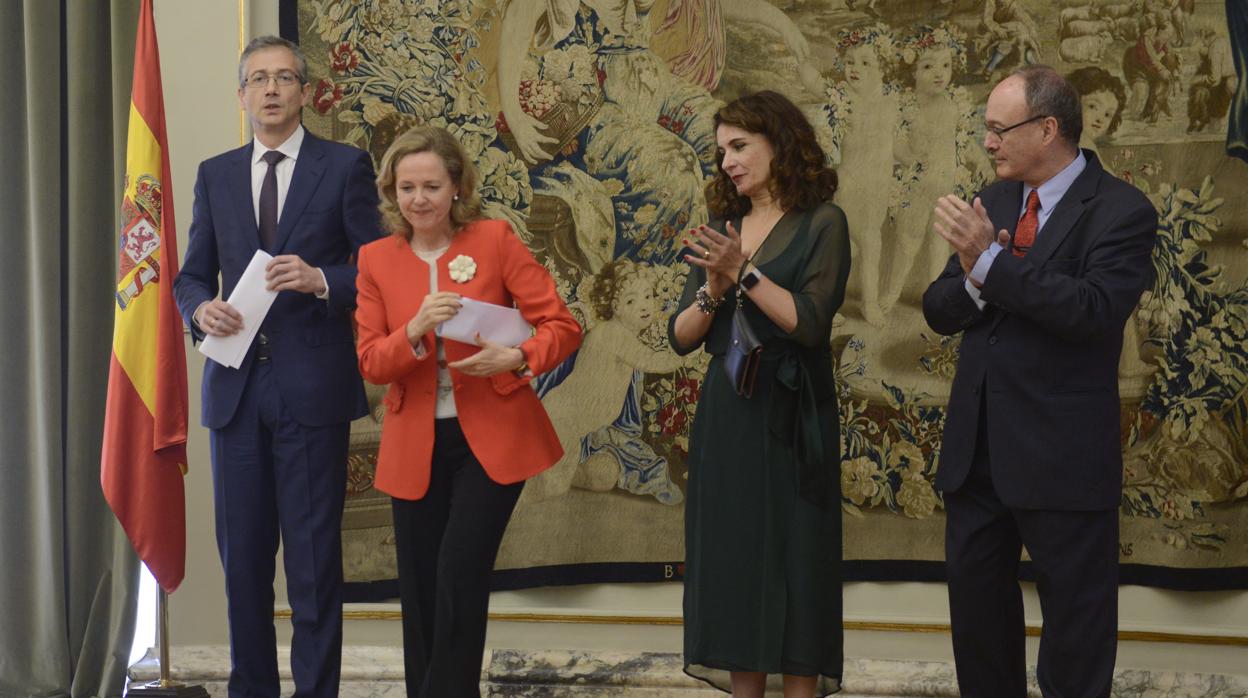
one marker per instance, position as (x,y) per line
(268,201)
(793,414)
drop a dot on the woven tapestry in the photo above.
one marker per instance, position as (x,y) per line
(590,122)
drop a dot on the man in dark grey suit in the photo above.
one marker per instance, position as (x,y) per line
(1048,265)
(280,421)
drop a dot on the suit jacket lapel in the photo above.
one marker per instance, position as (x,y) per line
(244,205)
(1062,221)
(309,169)
(1003,210)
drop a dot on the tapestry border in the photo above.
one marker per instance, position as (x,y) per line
(1195,580)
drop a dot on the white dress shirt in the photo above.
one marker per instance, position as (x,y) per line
(444,407)
(285,171)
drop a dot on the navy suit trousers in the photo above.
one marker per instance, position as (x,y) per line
(1075,557)
(275,479)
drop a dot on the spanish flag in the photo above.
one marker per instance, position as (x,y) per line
(143,459)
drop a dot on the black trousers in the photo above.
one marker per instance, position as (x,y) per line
(446,544)
(1075,557)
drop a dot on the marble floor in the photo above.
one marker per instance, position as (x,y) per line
(378,671)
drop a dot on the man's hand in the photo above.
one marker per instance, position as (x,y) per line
(966,227)
(490,360)
(288,272)
(218,318)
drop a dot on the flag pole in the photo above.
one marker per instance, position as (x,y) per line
(162,612)
(165,686)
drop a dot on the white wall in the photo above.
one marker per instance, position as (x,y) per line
(199,49)
(198,59)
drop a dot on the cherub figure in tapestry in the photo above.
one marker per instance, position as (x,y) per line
(937,147)
(860,118)
(624,340)
(1104,99)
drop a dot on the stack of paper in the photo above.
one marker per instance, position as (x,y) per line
(252,300)
(495,323)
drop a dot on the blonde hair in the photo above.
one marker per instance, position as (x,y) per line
(440,142)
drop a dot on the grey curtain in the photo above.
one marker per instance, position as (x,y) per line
(68,577)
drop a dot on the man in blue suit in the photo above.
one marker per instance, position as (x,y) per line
(279,422)
(1048,265)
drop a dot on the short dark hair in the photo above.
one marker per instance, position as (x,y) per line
(1050,94)
(800,176)
(1092,79)
(269,41)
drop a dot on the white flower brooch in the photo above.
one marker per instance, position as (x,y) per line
(462,268)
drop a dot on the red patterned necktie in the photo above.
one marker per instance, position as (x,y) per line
(1025,233)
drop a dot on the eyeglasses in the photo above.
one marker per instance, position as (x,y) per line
(284,79)
(1000,131)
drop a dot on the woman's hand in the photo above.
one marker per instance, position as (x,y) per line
(436,309)
(719,254)
(490,360)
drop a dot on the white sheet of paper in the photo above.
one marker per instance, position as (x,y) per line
(497,323)
(252,300)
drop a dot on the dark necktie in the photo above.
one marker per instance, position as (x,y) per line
(1025,233)
(268,201)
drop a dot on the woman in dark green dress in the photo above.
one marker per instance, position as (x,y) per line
(762,522)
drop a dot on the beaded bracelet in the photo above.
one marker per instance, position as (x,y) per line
(705,303)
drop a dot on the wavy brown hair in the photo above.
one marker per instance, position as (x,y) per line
(1091,79)
(608,283)
(439,141)
(800,176)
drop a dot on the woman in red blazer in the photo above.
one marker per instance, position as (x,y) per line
(463,428)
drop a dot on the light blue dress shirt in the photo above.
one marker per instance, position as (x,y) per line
(1050,193)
